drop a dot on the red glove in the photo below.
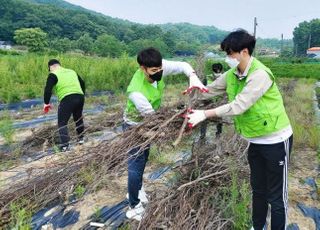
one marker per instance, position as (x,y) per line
(46,108)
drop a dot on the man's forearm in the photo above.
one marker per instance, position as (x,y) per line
(210,113)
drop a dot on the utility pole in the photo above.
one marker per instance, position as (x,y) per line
(255,27)
(281,49)
(255,32)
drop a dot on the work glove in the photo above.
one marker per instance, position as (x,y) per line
(195,117)
(195,83)
(46,108)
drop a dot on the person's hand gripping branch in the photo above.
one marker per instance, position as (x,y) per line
(195,83)
(195,117)
(46,108)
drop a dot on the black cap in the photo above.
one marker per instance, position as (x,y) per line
(53,62)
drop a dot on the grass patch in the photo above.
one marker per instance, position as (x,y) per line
(6,164)
(158,157)
(6,128)
(299,107)
(79,191)
(20,216)
(24,76)
(236,201)
(87,174)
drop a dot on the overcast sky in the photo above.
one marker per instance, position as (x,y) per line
(274,16)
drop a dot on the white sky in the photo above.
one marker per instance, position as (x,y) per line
(274,16)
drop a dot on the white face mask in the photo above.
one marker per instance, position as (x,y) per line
(232,62)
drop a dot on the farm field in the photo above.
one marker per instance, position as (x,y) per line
(88,183)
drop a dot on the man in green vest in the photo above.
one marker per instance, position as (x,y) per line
(260,117)
(70,90)
(144,98)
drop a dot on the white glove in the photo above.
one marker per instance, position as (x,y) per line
(195,117)
(195,83)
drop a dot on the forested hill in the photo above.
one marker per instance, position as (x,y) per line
(60,19)
(70,6)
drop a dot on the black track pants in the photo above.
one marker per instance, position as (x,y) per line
(269,182)
(70,105)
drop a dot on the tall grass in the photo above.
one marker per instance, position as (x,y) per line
(299,107)
(6,128)
(20,216)
(24,76)
(236,202)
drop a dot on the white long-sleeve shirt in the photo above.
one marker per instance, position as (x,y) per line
(169,68)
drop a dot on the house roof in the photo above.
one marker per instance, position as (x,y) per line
(314,49)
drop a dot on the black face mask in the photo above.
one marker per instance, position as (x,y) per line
(157,76)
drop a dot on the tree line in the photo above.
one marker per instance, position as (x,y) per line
(64,29)
(60,26)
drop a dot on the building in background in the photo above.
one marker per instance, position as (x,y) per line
(313,52)
(5,45)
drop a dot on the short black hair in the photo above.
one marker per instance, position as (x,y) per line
(237,41)
(149,57)
(53,62)
(217,67)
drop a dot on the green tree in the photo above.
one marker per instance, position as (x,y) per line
(286,52)
(135,46)
(85,43)
(170,40)
(34,38)
(185,48)
(305,33)
(60,19)
(108,45)
(62,45)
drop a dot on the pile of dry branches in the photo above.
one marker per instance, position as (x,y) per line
(48,136)
(55,179)
(194,202)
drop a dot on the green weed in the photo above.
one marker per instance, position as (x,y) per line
(235,203)
(159,158)
(79,191)
(6,128)
(20,216)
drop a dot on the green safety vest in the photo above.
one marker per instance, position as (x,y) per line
(267,115)
(68,83)
(139,83)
